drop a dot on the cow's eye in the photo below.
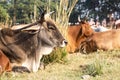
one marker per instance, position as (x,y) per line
(51,27)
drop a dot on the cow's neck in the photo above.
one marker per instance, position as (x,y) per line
(46,47)
(46,50)
(33,64)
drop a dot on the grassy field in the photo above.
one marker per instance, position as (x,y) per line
(97,66)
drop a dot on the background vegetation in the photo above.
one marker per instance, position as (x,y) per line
(25,11)
(96,9)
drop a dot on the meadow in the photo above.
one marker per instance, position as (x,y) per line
(100,65)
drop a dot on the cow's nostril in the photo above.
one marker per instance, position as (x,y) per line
(65,42)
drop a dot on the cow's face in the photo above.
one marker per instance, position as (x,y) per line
(50,36)
(86,29)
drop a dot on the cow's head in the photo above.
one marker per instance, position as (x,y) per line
(49,34)
(77,34)
(85,32)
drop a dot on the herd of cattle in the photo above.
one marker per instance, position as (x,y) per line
(22,49)
(84,38)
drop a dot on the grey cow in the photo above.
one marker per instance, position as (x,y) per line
(25,48)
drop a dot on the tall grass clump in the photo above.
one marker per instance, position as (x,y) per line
(62,13)
(93,69)
(58,55)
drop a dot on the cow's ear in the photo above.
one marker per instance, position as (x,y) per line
(87,30)
(31,31)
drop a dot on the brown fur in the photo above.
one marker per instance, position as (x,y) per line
(76,34)
(118,26)
(88,46)
(108,40)
(84,38)
(4,63)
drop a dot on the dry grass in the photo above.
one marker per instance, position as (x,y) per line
(74,67)
(78,64)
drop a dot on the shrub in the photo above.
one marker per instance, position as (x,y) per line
(3,14)
(58,55)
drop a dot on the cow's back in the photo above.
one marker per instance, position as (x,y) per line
(17,44)
(107,40)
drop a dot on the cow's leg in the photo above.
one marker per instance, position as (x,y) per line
(42,65)
(36,63)
(33,63)
(20,69)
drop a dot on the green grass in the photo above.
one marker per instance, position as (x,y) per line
(57,55)
(105,65)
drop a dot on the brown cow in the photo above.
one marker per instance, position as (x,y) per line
(84,38)
(108,40)
(118,26)
(76,34)
(4,63)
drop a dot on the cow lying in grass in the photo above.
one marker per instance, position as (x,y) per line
(83,38)
(25,48)
(108,40)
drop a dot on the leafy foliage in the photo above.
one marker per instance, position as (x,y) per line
(96,9)
(3,14)
(25,9)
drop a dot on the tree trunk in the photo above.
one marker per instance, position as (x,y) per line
(35,9)
(14,12)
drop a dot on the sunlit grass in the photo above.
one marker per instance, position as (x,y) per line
(106,64)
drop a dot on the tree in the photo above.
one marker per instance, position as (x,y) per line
(97,9)
(3,15)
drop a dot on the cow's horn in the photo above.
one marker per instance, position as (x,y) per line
(51,12)
(47,16)
(79,20)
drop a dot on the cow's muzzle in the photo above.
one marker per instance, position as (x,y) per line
(64,43)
